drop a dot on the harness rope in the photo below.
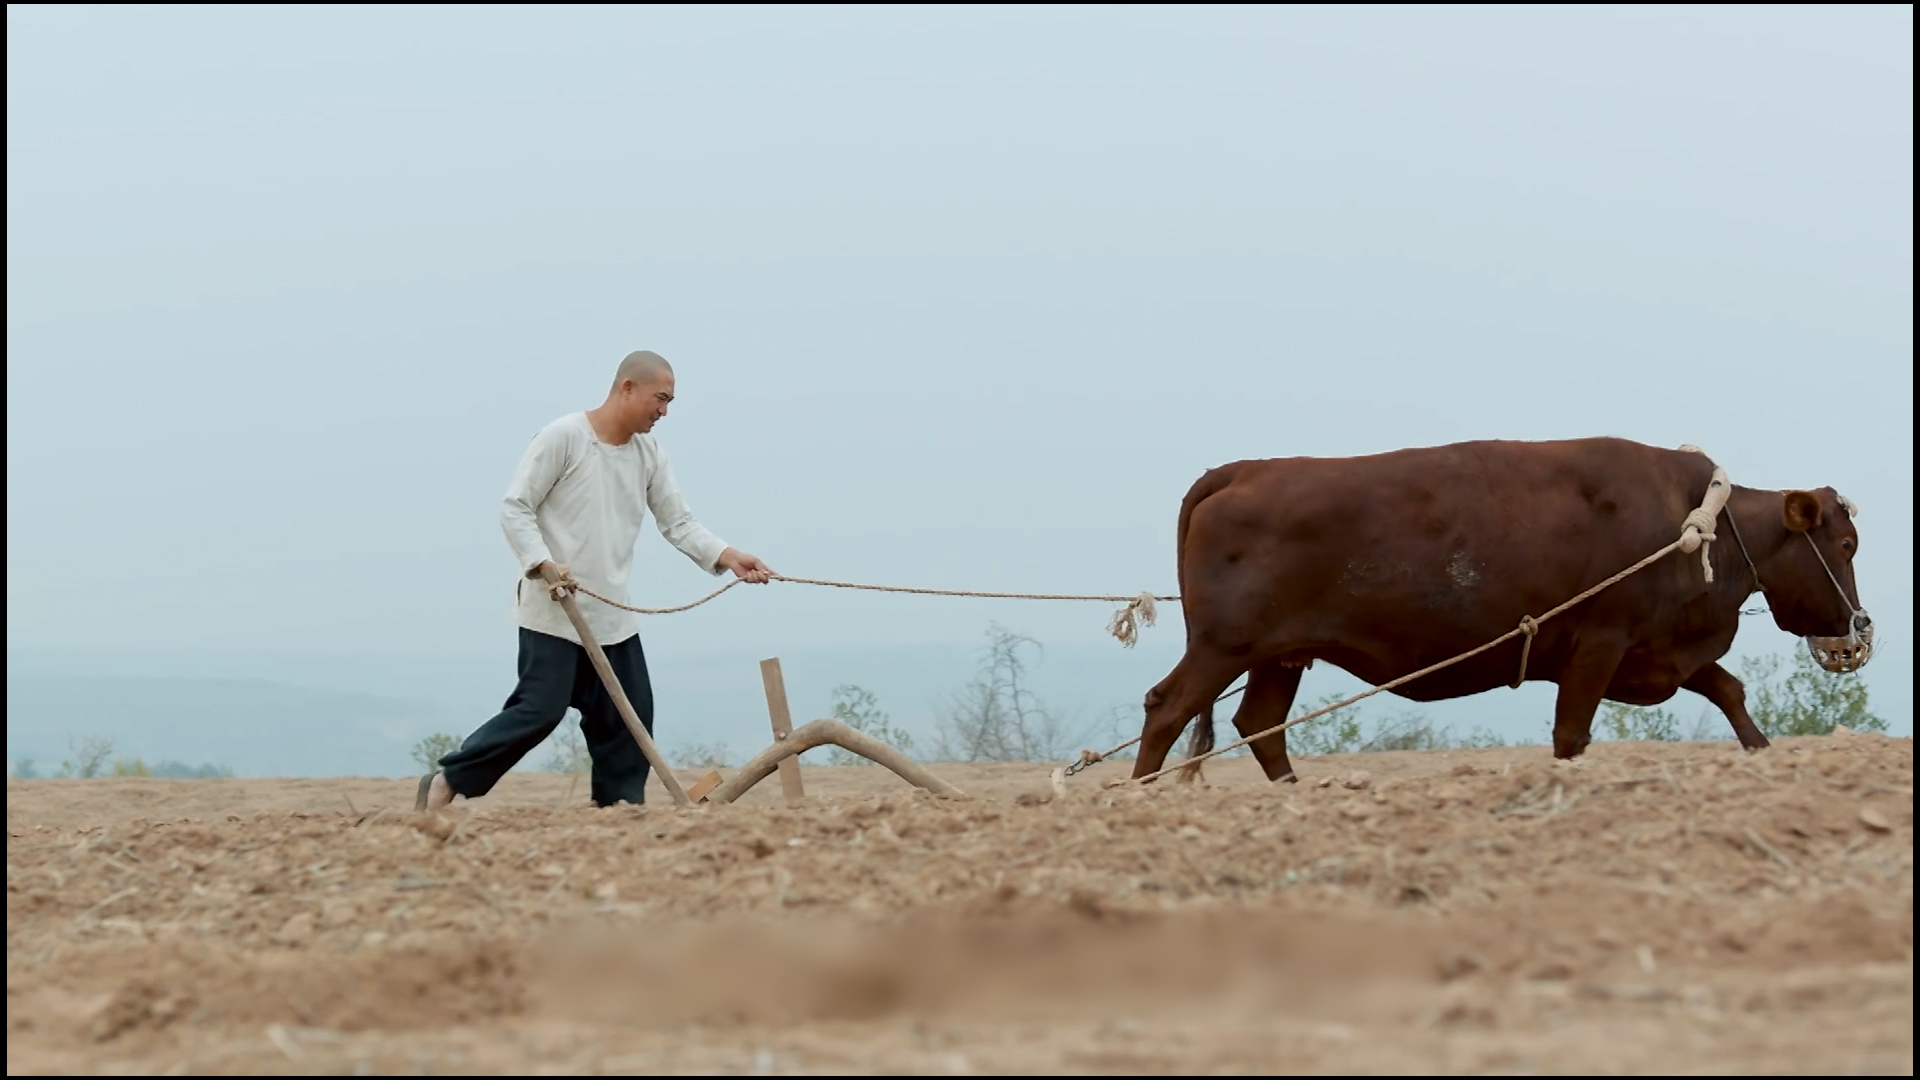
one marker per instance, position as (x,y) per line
(1697,533)
(1139,611)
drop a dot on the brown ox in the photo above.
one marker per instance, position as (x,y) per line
(1385,564)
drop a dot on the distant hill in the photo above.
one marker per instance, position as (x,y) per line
(329,715)
(307,714)
(254,726)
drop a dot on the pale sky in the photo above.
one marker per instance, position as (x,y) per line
(957,297)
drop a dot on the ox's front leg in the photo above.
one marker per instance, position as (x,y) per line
(1584,679)
(1718,685)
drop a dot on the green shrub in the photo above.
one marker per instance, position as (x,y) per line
(1347,732)
(1805,700)
(180,770)
(428,751)
(1629,723)
(1334,733)
(857,708)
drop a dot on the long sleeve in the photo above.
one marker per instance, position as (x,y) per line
(540,468)
(676,521)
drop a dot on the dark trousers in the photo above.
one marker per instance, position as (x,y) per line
(556,674)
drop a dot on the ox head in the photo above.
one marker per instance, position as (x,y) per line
(1809,583)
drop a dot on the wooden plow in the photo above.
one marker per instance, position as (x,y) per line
(788,743)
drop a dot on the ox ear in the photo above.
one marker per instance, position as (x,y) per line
(1801,511)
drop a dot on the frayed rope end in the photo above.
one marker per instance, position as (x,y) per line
(1126,623)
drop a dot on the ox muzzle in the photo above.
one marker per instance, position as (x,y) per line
(1842,654)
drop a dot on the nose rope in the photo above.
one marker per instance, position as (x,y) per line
(1852,656)
(1744,553)
(1852,631)
(1762,586)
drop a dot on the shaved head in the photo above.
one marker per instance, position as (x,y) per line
(642,389)
(643,367)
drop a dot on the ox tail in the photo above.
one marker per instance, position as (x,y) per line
(1210,483)
(1200,742)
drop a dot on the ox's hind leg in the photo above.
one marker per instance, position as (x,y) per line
(1271,687)
(1583,679)
(1718,685)
(1187,690)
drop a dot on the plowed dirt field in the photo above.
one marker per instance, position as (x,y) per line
(1656,908)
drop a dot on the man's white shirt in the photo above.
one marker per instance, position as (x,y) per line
(579,502)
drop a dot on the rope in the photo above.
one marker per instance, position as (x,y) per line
(1697,533)
(1088,758)
(1528,626)
(1143,604)
(1140,610)
(582,589)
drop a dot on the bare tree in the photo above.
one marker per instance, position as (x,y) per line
(713,755)
(567,748)
(1709,726)
(90,756)
(997,716)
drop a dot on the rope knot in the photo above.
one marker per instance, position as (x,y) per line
(1697,531)
(1126,623)
(1529,626)
(1696,535)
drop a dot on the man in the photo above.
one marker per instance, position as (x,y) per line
(577,503)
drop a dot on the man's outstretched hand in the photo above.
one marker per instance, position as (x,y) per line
(745,567)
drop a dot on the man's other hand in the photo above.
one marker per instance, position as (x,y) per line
(562,581)
(745,567)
